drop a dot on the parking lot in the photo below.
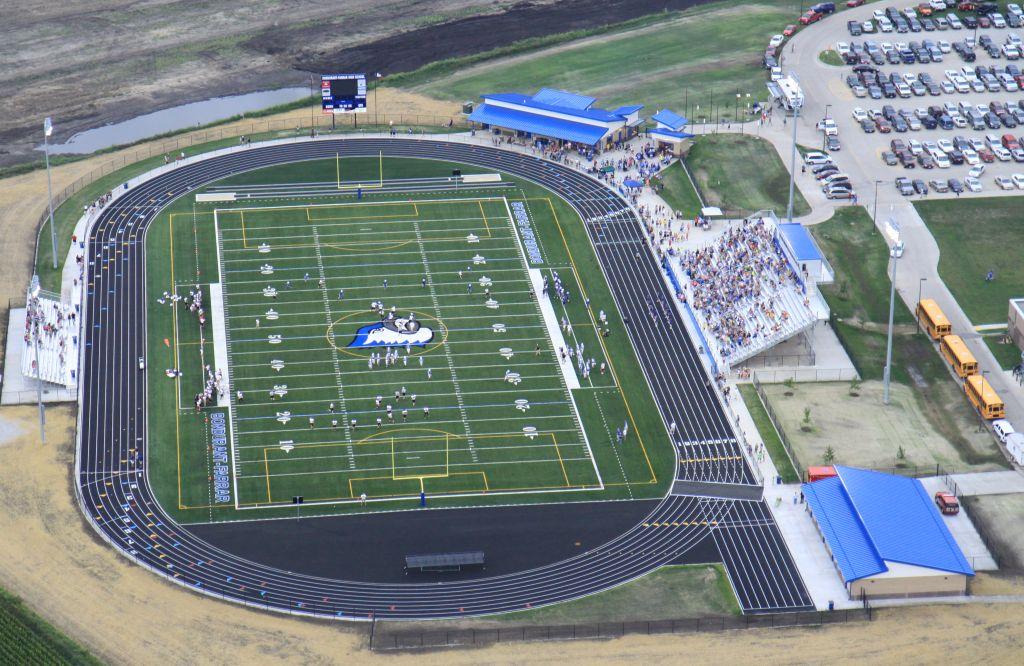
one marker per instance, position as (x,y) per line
(940,114)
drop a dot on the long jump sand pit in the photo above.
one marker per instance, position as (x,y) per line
(864,432)
(126,615)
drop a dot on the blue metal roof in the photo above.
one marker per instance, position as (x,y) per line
(564,98)
(800,240)
(869,517)
(627,110)
(671,120)
(851,547)
(669,133)
(518,99)
(536,123)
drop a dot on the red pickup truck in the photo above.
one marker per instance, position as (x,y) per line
(810,17)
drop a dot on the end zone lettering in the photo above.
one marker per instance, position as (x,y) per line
(526,231)
(219,441)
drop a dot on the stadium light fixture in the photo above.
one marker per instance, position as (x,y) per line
(892,307)
(47,131)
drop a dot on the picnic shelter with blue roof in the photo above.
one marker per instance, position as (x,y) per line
(886,536)
(558,115)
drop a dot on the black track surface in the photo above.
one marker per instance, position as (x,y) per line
(118,500)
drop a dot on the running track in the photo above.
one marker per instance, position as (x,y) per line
(116,496)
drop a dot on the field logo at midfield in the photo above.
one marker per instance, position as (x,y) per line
(397,332)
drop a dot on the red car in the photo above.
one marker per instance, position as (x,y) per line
(810,17)
(789,31)
(967,6)
(854,3)
(986,155)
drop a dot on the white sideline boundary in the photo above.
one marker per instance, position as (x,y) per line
(572,381)
(220,342)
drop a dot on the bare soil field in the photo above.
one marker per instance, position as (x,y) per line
(864,433)
(124,614)
(87,63)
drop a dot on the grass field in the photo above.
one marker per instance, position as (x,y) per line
(25,638)
(698,58)
(742,173)
(1007,354)
(975,237)
(678,191)
(769,435)
(505,424)
(859,301)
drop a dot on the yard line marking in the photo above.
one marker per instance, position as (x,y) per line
(334,348)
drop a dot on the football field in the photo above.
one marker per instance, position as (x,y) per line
(384,349)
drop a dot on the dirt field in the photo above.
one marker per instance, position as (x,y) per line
(87,63)
(863,433)
(126,615)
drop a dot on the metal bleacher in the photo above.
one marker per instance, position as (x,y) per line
(56,324)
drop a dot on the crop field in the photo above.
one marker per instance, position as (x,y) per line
(375,348)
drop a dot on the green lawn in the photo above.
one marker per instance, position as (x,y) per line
(830,57)
(976,236)
(742,173)
(769,435)
(670,592)
(356,243)
(859,301)
(25,638)
(1008,354)
(694,62)
(678,191)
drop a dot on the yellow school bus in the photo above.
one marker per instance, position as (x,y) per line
(983,397)
(957,354)
(932,319)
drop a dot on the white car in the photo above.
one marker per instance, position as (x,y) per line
(944,46)
(947,87)
(867,26)
(1018,180)
(909,13)
(878,14)
(776,73)
(954,21)
(909,77)
(1002,154)
(972,183)
(1004,183)
(1014,8)
(945,145)
(842,48)
(977,85)
(997,20)
(776,40)
(941,160)
(884,24)
(1014,38)
(976,143)
(971,158)
(915,147)
(859,114)
(828,126)
(976,171)
(937,5)
(815,158)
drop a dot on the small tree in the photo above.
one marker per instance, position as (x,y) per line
(806,423)
(854,387)
(829,456)
(790,385)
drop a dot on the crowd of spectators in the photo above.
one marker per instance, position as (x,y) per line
(737,283)
(55,324)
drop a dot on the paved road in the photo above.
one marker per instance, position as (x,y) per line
(823,85)
(118,501)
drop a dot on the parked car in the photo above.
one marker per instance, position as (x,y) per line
(1004,183)
(904,186)
(939,186)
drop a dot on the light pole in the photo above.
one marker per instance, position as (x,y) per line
(874,212)
(920,284)
(33,313)
(797,105)
(736,109)
(47,131)
(376,82)
(888,342)
(824,135)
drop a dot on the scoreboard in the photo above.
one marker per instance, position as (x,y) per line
(343,93)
